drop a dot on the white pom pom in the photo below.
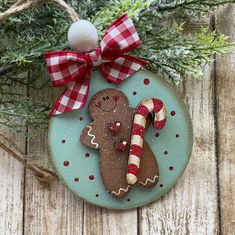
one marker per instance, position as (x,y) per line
(82,36)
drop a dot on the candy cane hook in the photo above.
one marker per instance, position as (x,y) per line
(136,147)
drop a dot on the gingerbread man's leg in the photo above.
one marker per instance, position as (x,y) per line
(148,172)
(113,172)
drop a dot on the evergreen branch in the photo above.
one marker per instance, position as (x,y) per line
(188,8)
(20,113)
(191,3)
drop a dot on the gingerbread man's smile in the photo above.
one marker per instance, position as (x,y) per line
(107,104)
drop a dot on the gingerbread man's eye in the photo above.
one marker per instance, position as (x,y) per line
(107,97)
(103,98)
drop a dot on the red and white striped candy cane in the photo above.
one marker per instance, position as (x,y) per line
(143,109)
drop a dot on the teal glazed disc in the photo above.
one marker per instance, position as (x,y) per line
(78,166)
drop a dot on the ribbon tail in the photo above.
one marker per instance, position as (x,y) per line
(74,96)
(124,66)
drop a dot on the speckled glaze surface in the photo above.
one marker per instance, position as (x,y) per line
(78,166)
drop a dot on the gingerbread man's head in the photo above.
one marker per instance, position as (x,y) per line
(108,101)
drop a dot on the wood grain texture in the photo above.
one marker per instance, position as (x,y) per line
(119,222)
(99,221)
(51,210)
(225,22)
(12,185)
(11,194)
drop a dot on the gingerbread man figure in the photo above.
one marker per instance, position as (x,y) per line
(110,133)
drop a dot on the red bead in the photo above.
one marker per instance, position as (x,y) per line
(76,179)
(91,177)
(146,81)
(66,163)
(157,134)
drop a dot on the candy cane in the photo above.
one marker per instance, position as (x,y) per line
(136,146)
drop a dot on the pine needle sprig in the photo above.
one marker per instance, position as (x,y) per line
(187,8)
(19,114)
(176,55)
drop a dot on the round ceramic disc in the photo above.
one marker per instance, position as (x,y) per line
(78,166)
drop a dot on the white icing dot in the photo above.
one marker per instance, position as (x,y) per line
(118,124)
(124,142)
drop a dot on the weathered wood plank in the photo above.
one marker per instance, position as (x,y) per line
(12,184)
(119,222)
(11,194)
(191,206)
(225,22)
(51,210)
(99,221)
(92,220)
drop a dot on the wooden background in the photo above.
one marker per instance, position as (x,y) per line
(202,202)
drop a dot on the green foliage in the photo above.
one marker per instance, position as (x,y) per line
(188,8)
(175,54)
(160,24)
(24,113)
(114,9)
(164,42)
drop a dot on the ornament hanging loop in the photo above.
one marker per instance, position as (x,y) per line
(24,5)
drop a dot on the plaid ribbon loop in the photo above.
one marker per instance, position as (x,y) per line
(74,69)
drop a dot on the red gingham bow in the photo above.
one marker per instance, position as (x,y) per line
(74,69)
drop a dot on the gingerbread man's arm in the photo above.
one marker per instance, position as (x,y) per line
(88,136)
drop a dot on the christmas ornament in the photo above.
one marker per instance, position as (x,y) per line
(17,59)
(171,146)
(125,159)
